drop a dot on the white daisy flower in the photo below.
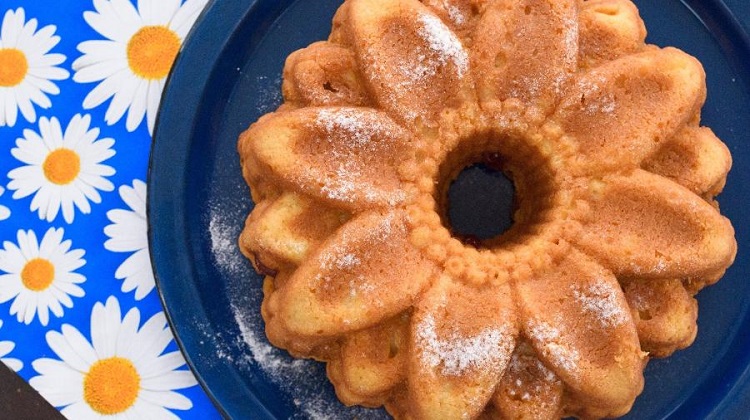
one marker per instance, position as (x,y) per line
(5,348)
(63,170)
(132,64)
(121,373)
(129,233)
(26,67)
(4,211)
(40,276)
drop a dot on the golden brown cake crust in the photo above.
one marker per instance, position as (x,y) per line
(616,225)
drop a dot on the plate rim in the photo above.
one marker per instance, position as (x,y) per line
(181,73)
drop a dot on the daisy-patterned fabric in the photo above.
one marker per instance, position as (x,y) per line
(80,318)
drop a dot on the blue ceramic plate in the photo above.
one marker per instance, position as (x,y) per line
(229,74)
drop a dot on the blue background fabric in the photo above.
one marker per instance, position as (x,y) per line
(87,231)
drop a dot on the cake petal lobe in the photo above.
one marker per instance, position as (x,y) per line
(619,113)
(372,362)
(647,226)
(414,64)
(694,158)
(609,29)
(461,340)
(351,282)
(459,15)
(526,50)
(665,314)
(323,74)
(576,317)
(528,390)
(346,157)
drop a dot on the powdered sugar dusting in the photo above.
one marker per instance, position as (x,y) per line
(352,135)
(659,265)
(533,378)
(336,260)
(454,13)
(554,347)
(359,127)
(343,186)
(443,42)
(594,100)
(409,77)
(341,258)
(570,54)
(570,29)
(262,353)
(303,380)
(385,229)
(347,261)
(455,355)
(600,300)
(223,233)
(267,94)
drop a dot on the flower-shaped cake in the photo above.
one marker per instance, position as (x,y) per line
(615,227)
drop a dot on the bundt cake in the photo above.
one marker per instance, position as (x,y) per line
(615,226)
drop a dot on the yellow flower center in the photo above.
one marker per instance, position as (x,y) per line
(38,274)
(152,50)
(13,67)
(111,385)
(62,166)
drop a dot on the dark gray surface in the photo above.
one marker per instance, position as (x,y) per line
(19,401)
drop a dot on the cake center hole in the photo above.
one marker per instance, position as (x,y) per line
(480,203)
